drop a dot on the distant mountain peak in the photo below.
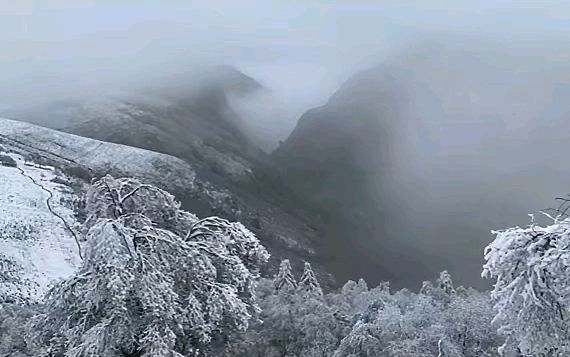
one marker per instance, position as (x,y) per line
(234,81)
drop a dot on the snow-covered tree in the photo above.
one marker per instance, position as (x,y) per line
(357,321)
(352,298)
(384,329)
(384,287)
(296,323)
(441,289)
(445,283)
(308,284)
(532,289)
(15,336)
(418,325)
(154,282)
(110,198)
(467,324)
(285,280)
(362,341)
(427,288)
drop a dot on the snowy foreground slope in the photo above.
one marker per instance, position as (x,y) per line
(36,246)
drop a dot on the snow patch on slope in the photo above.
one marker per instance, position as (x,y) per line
(36,248)
(98,156)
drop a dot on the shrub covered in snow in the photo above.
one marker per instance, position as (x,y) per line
(532,290)
(155,281)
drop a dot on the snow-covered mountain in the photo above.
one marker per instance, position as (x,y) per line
(219,169)
(184,115)
(64,163)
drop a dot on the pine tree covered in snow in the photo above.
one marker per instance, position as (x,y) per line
(285,281)
(532,289)
(427,288)
(308,284)
(445,283)
(154,282)
(384,287)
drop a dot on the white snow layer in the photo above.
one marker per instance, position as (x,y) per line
(98,155)
(35,246)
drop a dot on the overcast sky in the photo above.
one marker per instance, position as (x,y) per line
(304,48)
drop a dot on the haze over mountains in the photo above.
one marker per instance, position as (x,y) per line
(402,173)
(377,141)
(284,178)
(187,117)
(439,145)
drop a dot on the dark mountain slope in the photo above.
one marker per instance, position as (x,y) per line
(417,160)
(340,158)
(334,152)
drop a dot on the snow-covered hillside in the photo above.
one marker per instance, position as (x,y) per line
(83,159)
(98,156)
(37,245)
